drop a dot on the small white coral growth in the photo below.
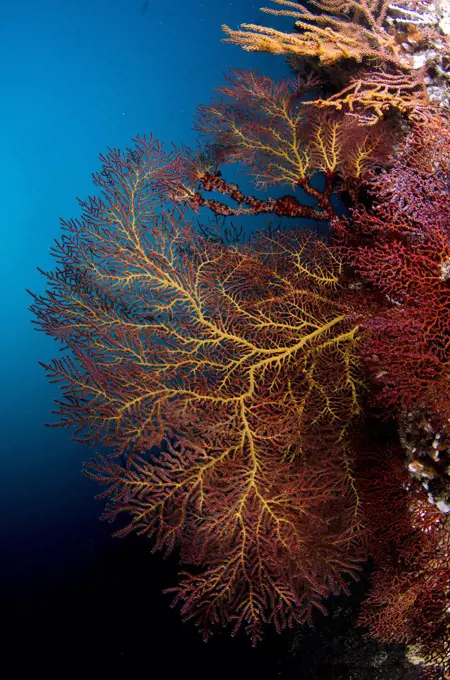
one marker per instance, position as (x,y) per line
(445,270)
(425,34)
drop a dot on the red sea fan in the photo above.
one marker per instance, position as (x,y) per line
(409,541)
(239,365)
(401,248)
(410,598)
(263,125)
(258,546)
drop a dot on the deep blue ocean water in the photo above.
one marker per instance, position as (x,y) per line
(78,76)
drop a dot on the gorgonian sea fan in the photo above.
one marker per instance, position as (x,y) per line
(264,125)
(401,247)
(240,362)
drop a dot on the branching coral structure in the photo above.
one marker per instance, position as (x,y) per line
(331,30)
(234,384)
(402,248)
(240,362)
(264,125)
(408,44)
(410,542)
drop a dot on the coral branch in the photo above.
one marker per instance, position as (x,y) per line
(372,95)
(272,540)
(239,364)
(265,126)
(402,248)
(339,30)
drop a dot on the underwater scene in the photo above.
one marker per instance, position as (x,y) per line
(226,449)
